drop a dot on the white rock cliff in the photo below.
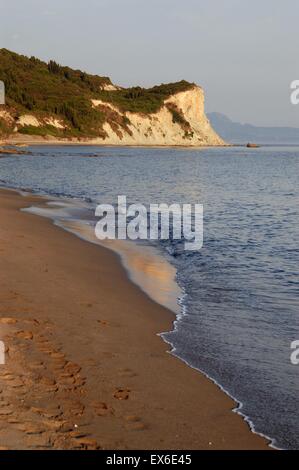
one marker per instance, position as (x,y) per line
(160,129)
(190,128)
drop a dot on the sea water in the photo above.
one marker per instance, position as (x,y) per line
(239,295)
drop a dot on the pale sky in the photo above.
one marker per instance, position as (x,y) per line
(243,52)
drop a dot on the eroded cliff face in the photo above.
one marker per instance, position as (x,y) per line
(180,121)
(51,102)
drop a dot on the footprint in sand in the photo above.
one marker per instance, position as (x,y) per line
(4,403)
(87,304)
(66,378)
(24,335)
(7,376)
(134,423)
(57,355)
(102,409)
(38,441)
(122,394)
(127,373)
(132,419)
(88,444)
(47,381)
(136,426)
(79,434)
(58,366)
(37,365)
(31,428)
(51,389)
(40,339)
(74,407)
(103,322)
(16,383)
(32,321)
(72,368)
(49,412)
(45,347)
(6,411)
(108,354)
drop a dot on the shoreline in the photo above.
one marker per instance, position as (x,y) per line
(91,143)
(198,413)
(140,271)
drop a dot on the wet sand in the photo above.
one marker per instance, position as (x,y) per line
(85,368)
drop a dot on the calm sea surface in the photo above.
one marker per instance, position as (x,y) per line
(240,311)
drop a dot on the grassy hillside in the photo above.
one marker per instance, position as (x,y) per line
(35,87)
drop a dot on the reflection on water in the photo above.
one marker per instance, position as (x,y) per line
(151,272)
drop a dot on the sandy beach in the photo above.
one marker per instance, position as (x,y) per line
(27,140)
(85,368)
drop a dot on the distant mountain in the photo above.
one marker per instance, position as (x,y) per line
(235,132)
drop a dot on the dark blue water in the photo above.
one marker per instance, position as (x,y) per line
(242,289)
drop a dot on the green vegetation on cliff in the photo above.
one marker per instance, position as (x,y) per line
(43,89)
(144,100)
(35,87)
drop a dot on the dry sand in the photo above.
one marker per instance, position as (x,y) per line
(85,368)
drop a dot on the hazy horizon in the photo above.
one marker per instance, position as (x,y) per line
(241,52)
